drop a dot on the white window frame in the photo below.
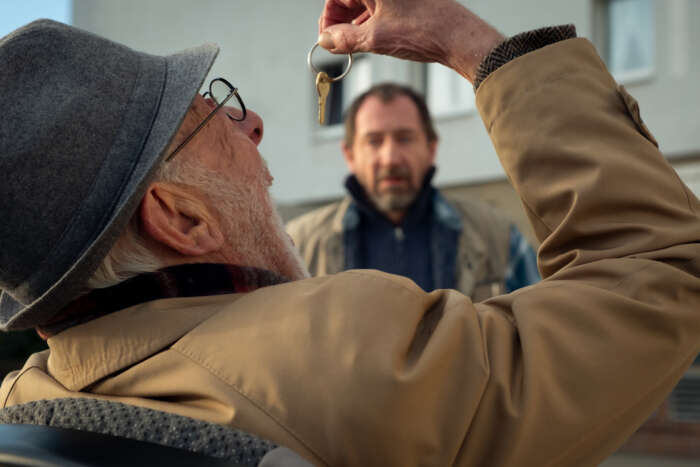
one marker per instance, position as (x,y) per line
(357,81)
(447,93)
(638,74)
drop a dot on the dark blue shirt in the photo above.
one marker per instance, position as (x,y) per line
(401,249)
(422,247)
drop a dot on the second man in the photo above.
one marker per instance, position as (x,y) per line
(394,220)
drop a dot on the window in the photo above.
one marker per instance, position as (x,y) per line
(629,38)
(447,92)
(343,92)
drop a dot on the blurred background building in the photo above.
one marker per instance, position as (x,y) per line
(649,46)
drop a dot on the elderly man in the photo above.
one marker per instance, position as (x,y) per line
(394,220)
(145,249)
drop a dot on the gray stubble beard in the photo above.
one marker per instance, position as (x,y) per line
(393,201)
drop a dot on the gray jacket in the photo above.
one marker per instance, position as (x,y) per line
(483,244)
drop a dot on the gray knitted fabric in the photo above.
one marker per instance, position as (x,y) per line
(141,424)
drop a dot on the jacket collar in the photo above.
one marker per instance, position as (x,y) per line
(185,280)
(417,211)
(445,213)
(121,330)
(428,198)
(84,354)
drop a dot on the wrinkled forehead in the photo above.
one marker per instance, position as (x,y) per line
(198,111)
(377,115)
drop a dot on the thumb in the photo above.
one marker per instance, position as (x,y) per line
(344,38)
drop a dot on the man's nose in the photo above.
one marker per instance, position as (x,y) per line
(390,153)
(252,126)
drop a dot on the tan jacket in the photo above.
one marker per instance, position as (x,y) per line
(482,249)
(363,368)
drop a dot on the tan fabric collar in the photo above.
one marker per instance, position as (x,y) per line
(91,351)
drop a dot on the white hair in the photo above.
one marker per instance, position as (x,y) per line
(256,233)
(130,255)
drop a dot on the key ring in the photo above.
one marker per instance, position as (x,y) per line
(313,68)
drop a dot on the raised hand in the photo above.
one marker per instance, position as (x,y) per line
(387,27)
(426,31)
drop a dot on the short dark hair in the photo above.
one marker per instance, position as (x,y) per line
(387,92)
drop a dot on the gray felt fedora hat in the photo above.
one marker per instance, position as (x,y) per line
(85,122)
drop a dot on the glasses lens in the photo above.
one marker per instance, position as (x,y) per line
(220,91)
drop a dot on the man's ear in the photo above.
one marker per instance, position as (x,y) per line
(348,156)
(432,148)
(176,218)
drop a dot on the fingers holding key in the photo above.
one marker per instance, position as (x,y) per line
(353,12)
(342,25)
(442,31)
(409,29)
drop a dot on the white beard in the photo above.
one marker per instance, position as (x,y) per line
(253,229)
(268,241)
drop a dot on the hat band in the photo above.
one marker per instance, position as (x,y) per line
(112,178)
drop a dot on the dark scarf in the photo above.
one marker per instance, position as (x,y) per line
(416,211)
(186,280)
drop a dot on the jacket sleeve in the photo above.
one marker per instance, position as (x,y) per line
(519,45)
(577,362)
(364,368)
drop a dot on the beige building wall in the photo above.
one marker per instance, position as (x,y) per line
(263,51)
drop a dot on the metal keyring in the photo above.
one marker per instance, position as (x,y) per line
(313,68)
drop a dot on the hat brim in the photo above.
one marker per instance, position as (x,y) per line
(186,73)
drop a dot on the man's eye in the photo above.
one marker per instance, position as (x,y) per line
(404,138)
(374,142)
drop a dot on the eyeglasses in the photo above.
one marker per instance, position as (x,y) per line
(220,91)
